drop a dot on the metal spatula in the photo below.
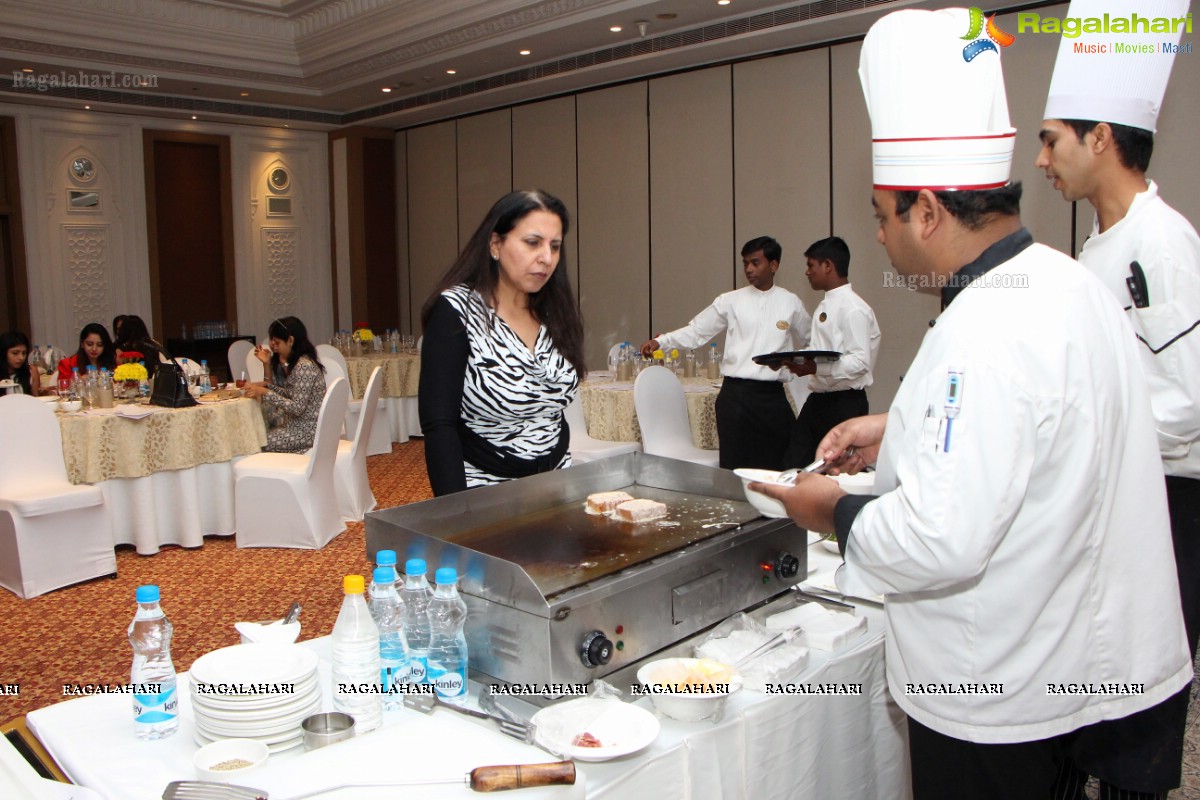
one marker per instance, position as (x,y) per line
(481,779)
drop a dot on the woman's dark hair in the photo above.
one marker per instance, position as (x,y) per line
(554,305)
(117,327)
(108,358)
(133,332)
(9,340)
(285,327)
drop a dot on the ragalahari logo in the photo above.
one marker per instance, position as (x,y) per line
(984,36)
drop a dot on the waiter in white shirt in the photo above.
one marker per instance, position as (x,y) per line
(845,324)
(1017,471)
(1097,139)
(754,418)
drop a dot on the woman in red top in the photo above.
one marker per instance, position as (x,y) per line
(95,349)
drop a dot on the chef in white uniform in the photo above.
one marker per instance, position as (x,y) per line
(1017,465)
(1097,140)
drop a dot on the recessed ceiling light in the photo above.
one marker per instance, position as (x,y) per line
(245,94)
(386,89)
(193,116)
(87,108)
(722,2)
(615,28)
(526,52)
(27,69)
(451,72)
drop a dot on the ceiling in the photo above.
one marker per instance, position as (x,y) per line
(325,63)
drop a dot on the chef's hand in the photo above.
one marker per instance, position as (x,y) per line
(810,502)
(649,346)
(853,445)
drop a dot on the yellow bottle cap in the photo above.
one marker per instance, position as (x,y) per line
(353,584)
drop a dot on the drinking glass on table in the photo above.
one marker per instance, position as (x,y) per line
(64,387)
(241,382)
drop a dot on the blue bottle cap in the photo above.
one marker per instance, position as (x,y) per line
(446,575)
(385,575)
(385,558)
(147,594)
(415,566)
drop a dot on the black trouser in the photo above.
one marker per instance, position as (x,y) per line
(822,412)
(1144,751)
(753,421)
(945,768)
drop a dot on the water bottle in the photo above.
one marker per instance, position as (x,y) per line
(34,359)
(384,558)
(416,596)
(155,701)
(205,377)
(689,364)
(76,384)
(356,659)
(388,612)
(714,362)
(104,389)
(447,643)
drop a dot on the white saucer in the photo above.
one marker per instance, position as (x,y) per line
(620,727)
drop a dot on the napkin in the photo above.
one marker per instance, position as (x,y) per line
(270,633)
(823,629)
(781,664)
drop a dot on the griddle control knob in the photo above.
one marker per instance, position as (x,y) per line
(787,566)
(597,650)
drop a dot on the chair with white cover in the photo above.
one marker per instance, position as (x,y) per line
(289,499)
(380,442)
(663,417)
(354,495)
(583,447)
(52,533)
(236,356)
(255,371)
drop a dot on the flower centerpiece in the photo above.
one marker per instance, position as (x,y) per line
(363,333)
(130,374)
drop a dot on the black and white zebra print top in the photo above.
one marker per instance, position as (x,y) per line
(476,369)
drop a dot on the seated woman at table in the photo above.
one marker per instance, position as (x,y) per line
(14,363)
(292,394)
(503,350)
(95,350)
(132,337)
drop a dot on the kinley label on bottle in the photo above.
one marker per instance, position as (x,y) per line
(416,666)
(160,707)
(449,684)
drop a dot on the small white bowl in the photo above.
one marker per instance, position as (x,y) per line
(69,406)
(862,483)
(207,758)
(687,707)
(768,506)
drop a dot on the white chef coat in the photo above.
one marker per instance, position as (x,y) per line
(1037,550)
(757,322)
(1166,246)
(844,323)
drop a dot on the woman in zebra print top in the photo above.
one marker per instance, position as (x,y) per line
(502,355)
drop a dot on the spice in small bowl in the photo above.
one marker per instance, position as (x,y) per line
(229,760)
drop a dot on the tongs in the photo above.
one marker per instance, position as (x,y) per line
(508,724)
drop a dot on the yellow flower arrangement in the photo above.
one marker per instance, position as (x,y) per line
(674,354)
(130,372)
(658,354)
(364,334)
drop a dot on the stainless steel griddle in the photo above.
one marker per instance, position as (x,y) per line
(558,596)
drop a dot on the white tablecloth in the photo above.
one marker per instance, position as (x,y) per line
(818,747)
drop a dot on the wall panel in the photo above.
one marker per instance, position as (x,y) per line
(544,150)
(781,158)
(692,252)
(432,208)
(613,218)
(484,167)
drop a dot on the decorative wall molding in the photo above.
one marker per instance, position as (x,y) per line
(280,247)
(85,248)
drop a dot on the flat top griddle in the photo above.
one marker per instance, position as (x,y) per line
(562,547)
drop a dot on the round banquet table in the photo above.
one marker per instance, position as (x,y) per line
(167,478)
(401,378)
(609,412)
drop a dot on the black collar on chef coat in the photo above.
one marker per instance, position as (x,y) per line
(994,256)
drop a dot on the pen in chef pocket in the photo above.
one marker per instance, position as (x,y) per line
(1137,286)
(954,388)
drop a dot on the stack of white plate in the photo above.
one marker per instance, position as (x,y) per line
(255,691)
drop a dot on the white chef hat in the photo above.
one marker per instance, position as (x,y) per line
(1122,87)
(935,92)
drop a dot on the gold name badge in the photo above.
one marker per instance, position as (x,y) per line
(782,325)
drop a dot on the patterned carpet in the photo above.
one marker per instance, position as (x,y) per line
(77,635)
